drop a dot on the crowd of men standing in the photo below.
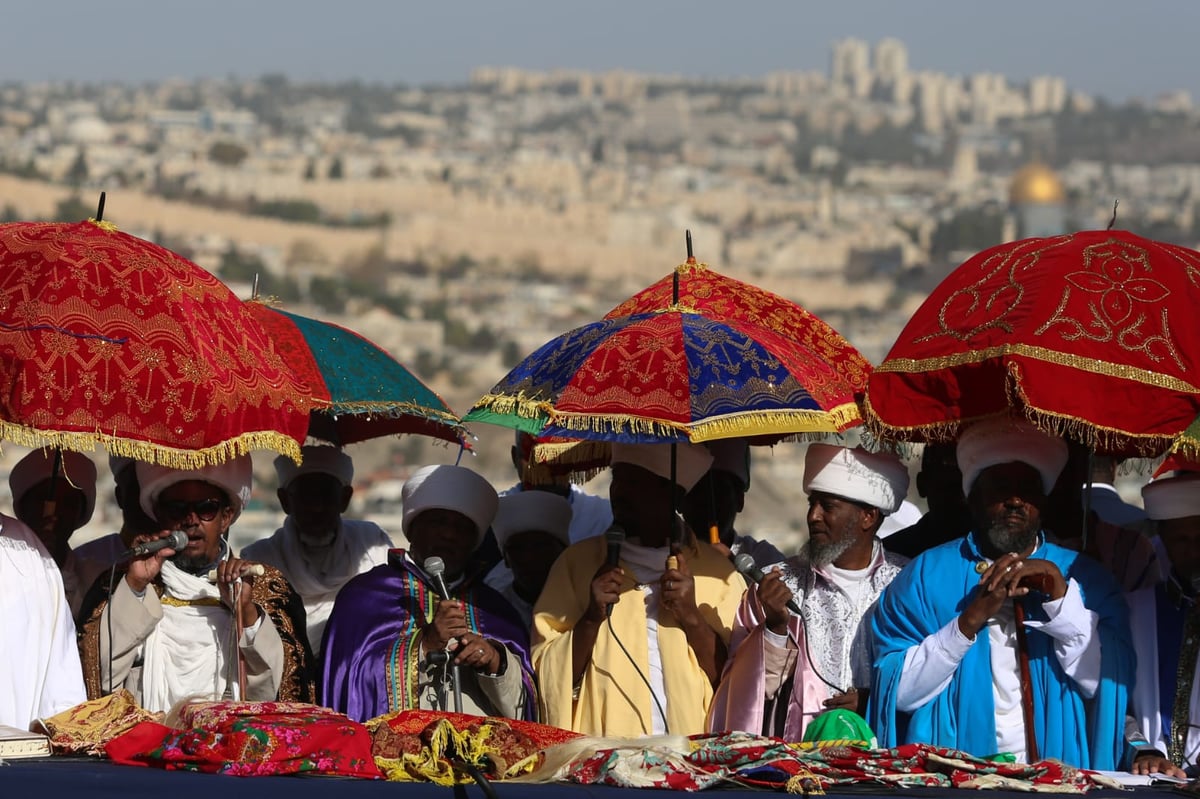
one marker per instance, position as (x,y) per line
(1000,622)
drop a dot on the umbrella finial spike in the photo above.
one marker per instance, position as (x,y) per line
(254,288)
(691,257)
(100,208)
(1113,221)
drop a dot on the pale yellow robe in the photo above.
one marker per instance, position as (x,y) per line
(613,700)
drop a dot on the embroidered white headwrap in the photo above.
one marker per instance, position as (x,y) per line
(877,479)
(448,487)
(233,477)
(1173,496)
(1004,439)
(532,511)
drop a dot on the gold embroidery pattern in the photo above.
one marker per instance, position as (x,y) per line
(109,339)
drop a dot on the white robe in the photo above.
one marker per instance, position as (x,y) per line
(358,547)
(41,675)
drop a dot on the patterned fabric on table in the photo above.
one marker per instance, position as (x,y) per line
(741,758)
(252,739)
(419,745)
(87,727)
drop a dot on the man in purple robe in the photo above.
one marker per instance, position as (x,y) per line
(393,642)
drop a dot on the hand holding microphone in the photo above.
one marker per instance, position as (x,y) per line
(147,554)
(449,618)
(606,583)
(773,594)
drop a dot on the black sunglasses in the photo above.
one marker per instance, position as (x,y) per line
(206,509)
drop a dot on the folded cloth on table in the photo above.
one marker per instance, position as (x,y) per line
(87,727)
(252,739)
(423,745)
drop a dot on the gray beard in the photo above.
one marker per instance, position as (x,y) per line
(1004,538)
(825,554)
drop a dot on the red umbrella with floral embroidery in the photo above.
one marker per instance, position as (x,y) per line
(109,339)
(1092,334)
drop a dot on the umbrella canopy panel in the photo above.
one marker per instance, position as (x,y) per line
(726,299)
(669,376)
(1090,334)
(106,338)
(364,392)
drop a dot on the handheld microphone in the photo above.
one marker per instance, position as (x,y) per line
(177,540)
(745,564)
(435,567)
(614,536)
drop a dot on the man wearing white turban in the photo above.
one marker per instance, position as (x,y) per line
(668,600)
(1166,632)
(317,549)
(785,669)
(176,641)
(1002,641)
(393,636)
(55,504)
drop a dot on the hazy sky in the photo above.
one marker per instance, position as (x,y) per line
(1118,49)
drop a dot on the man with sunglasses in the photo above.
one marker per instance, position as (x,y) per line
(166,632)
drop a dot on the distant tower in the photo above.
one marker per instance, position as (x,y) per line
(850,66)
(1037,200)
(964,172)
(891,60)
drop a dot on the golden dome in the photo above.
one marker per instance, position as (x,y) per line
(1036,184)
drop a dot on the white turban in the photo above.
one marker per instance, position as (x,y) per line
(447,487)
(877,479)
(78,471)
(316,460)
(234,477)
(732,455)
(532,511)
(1173,496)
(692,461)
(1004,439)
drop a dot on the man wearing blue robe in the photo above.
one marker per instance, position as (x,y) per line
(1000,641)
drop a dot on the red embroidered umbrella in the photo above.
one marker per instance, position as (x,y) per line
(724,299)
(363,392)
(1091,334)
(106,338)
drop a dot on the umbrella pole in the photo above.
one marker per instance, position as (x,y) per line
(1087,498)
(50,508)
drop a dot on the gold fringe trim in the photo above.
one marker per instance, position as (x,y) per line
(1099,437)
(107,227)
(910,365)
(387,409)
(520,405)
(761,423)
(692,266)
(171,457)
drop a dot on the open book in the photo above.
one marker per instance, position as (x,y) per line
(16,743)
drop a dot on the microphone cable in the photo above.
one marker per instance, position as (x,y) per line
(653,696)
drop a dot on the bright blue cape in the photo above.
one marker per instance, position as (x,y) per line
(934,589)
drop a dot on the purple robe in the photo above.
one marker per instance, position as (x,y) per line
(371,647)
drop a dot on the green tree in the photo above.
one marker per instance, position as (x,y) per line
(72,209)
(77,175)
(227,153)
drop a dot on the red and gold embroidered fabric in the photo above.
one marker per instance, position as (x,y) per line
(1090,334)
(106,338)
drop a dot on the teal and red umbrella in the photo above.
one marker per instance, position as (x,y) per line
(360,390)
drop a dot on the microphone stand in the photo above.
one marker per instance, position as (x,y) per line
(442,657)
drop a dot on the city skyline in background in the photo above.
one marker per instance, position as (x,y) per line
(1113,50)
